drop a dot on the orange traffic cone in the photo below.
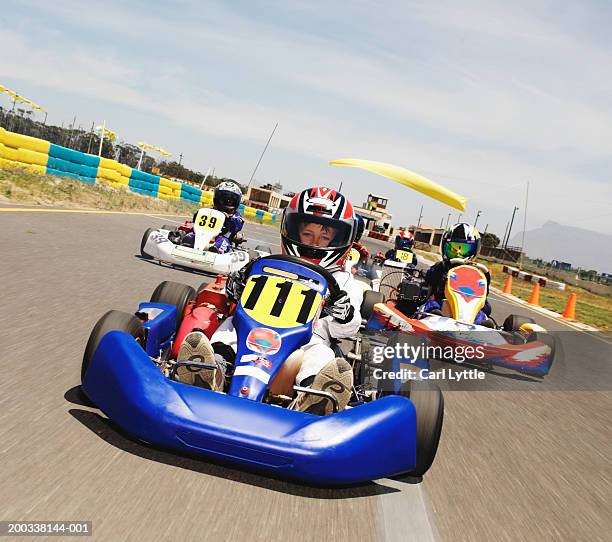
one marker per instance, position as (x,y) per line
(508,285)
(570,309)
(534,298)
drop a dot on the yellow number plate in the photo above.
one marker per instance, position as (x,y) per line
(278,302)
(403,256)
(209,219)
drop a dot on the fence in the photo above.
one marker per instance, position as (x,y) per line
(46,158)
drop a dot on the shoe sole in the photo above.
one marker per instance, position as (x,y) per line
(196,347)
(335,378)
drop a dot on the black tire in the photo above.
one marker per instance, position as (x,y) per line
(111,321)
(174,293)
(370,298)
(145,238)
(428,402)
(263,248)
(547,339)
(168,227)
(515,321)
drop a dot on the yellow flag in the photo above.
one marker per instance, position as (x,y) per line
(409,179)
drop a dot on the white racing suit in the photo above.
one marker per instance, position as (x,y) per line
(317,352)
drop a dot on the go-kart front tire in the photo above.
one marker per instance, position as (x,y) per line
(428,402)
(111,321)
(174,293)
(145,238)
(370,298)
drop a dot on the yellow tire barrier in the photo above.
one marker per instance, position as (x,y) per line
(18,141)
(32,168)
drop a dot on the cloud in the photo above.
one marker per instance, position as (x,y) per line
(455,92)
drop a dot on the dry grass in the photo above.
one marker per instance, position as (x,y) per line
(592,309)
(18,186)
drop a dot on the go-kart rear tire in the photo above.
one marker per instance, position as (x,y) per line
(111,321)
(547,339)
(370,298)
(174,293)
(168,227)
(145,238)
(515,321)
(428,402)
(263,248)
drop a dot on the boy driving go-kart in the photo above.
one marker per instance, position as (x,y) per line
(227,200)
(319,225)
(460,246)
(402,250)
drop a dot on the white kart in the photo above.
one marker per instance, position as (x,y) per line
(160,245)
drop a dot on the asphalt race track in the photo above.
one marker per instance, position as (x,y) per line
(512,465)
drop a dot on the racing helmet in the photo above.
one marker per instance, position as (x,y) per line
(227,197)
(460,241)
(360,227)
(404,240)
(319,225)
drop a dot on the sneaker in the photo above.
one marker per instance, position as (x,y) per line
(335,378)
(196,347)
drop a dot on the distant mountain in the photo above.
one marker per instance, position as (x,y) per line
(582,248)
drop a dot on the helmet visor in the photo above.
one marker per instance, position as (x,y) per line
(459,249)
(316,231)
(227,200)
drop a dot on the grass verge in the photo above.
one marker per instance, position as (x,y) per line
(592,309)
(18,186)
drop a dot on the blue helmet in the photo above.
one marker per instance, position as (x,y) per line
(404,240)
(460,241)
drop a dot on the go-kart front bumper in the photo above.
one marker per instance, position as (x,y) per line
(161,248)
(364,443)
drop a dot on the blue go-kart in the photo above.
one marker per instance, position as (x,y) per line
(128,373)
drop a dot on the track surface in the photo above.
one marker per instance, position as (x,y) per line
(511,465)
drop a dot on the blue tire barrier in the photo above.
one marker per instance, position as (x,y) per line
(76,157)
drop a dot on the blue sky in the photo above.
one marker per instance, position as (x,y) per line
(480,96)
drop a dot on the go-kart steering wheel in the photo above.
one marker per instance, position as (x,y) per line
(333,288)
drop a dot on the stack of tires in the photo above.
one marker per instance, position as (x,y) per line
(75,164)
(144,183)
(169,190)
(191,193)
(23,152)
(112,173)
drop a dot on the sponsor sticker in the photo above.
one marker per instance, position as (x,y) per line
(256,359)
(264,341)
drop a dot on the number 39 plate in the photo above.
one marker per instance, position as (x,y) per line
(278,302)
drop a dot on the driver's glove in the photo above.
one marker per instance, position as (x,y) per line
(340,308)
(235,284)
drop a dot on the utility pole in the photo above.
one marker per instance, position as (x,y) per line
(459,217)
(91,137)
(262,155)
(477,215)
(420,216)
(447,221)
(180,158)
(510,227)
(503,241)
(102,138)
(524,225)
(486,228)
